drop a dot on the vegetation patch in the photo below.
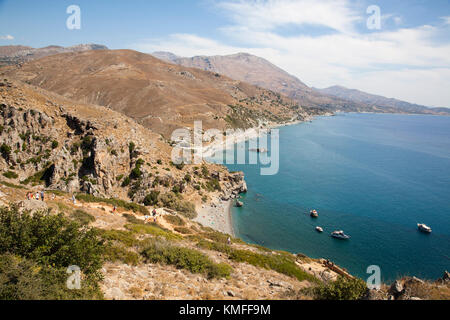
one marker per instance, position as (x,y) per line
(153,229)
(174,220)
(279,263)
(157,251)
(10,175)
(114,202)
(82,217)
(341,289)
(36,251)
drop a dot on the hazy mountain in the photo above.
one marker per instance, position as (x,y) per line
(160,95)
(10,55)
(260,72)
(379,101)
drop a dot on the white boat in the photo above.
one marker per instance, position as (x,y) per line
(424,228)
(319,229)
(340,235)
(314,213)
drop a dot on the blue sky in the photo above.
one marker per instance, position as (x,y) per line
(323,42)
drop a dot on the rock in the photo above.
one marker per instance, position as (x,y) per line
(373,295)
(230,293)
(415,298)
(32,206)
(239,204)
(445,278)
(396,288)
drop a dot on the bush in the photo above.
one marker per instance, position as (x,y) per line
(5,151)
(114,202)
(183,230)
(132,219)
(280,263)
(153,229)
(115,253)
(24,279)
(10,175)
(152,198)
(49,240)
(82,217)
(341,289)
(171,201)
(55,144)
(126,182)
(175,220)
(158,251)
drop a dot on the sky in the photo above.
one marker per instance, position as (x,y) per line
(398,49)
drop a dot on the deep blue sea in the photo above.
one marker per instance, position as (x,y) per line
(375,176)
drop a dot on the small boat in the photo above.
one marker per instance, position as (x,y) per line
(340,235)
(424,228)
(239,204)
(319,229)
(314,213)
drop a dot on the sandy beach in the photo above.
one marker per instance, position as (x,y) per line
(216,215)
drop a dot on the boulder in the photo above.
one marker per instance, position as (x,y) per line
(396,288)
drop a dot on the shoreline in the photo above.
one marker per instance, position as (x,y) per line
(217,214)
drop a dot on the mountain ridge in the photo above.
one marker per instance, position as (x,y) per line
(380,101)
(274,78)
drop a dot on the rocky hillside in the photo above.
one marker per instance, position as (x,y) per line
(380,101)
(106,159)
(157,94)
(260,72)
(17,55)
(49,141)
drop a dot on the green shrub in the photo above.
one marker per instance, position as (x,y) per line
(114,202)
(158,251)
(10,175)
(24,279)
(132,219)
(175,220)
(127,238)
(5,151)
(341,289)
(82,217)
(153,229)
(152,198)
(126,182)
(171,201)
(183,230)
(280,263)
(49,240)
(115,253)
(55,144)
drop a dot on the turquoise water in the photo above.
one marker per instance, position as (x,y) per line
(374,176)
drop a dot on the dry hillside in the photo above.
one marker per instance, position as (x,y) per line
(157,94)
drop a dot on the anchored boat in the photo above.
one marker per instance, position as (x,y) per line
(319,229)
(424,228)
(314,213)
(340,235)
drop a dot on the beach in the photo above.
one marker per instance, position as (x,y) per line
(216,215)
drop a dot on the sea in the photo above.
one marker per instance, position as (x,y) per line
(374,176)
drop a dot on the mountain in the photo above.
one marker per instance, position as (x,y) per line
(160,95)
(11,55)
(380,101)
(260,72)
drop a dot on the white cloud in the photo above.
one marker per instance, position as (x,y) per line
(405,63)
(268,15)
(446,20)
(7,37)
